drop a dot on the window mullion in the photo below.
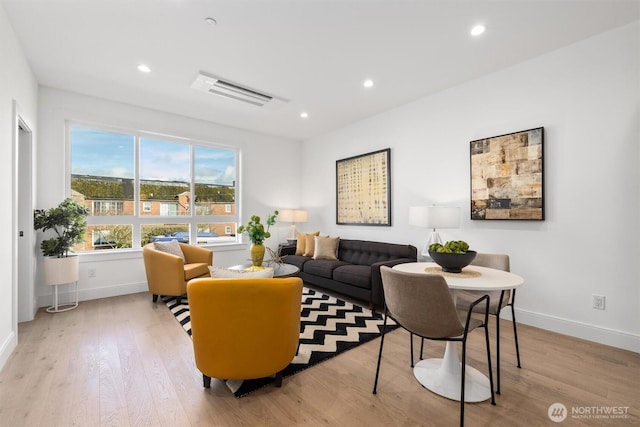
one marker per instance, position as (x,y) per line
(135,233)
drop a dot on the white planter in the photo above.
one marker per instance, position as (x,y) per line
(59,271)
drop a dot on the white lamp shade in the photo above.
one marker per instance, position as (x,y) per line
(434,216)
(285,215)
(291,215)
(300,215)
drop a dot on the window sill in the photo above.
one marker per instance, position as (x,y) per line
(121,254)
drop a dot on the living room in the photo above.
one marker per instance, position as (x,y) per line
(585,95)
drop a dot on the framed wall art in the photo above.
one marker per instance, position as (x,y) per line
(507,176)
(363,189)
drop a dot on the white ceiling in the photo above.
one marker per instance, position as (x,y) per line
(314,53)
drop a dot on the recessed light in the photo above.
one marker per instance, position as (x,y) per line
(478,29)
(210,21)
(144,68)
(368,83)
(304,114)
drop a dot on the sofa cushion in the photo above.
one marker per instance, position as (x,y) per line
(297,260)
(196,269)
(326,247)
(356,275)
(322,267)
(363,252)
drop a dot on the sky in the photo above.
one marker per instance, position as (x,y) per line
(110,154)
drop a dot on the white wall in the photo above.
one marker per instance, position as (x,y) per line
(587,98)
(267,164)
(17,85)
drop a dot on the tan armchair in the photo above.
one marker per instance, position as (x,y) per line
(168,275)
(244,328)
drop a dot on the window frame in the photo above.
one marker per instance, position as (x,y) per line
(137,220)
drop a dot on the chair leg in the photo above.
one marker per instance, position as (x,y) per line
(515,334)
(462,375)
(384,328)
(411,347)
(206,381)
(278,382)
(498,351)
(179,300)
(155,297)
(486,337)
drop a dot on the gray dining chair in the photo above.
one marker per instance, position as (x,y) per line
(422,304)
(499,300)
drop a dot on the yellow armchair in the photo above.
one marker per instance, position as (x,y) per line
(244,328)
(168,275)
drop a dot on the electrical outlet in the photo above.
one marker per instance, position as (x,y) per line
(598,301)
(91,272)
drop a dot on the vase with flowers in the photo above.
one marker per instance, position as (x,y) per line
(257,234)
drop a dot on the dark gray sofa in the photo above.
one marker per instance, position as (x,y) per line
(356,273)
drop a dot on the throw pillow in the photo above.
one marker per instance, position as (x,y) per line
(326,247)
(171,247)
(300,243)
(223,273)
(309,243)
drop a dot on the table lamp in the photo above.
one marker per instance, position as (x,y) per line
(293,216)
(434,217)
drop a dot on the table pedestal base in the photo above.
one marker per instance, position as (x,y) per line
(442,376)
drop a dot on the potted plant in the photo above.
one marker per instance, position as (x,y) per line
(69,221)
(257,233)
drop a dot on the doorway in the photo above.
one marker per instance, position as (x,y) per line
(23,214)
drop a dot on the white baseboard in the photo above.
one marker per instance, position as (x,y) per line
(7,348)
(601,335)
(611,337)
(96,293)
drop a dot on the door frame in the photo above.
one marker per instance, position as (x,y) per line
(22,251)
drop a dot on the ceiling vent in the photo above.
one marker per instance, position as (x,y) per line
(231,90)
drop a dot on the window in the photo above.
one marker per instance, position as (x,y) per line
(139,188)
(107,208)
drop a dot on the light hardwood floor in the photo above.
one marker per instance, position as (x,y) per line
(125,361)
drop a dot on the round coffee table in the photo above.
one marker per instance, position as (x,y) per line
(279,270)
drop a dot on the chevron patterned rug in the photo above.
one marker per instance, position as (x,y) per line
(328,326)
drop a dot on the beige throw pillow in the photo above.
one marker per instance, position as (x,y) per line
(309,243)
(300,243)
(171,247)
(326,247)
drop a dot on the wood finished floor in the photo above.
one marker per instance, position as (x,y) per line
(125,361)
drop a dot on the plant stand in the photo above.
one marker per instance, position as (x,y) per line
(62,271)
(56,308)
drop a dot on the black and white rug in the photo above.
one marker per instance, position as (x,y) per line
(328,327)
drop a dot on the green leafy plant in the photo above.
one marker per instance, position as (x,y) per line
(68,220)
(451,247)
(255,229)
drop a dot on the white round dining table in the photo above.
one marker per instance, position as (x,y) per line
(442,376)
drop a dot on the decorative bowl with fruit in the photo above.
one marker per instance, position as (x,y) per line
(453,256)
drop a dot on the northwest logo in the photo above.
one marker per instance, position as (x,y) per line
(557,412)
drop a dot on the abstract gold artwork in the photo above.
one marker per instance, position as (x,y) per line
(507,176)
(363,189)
